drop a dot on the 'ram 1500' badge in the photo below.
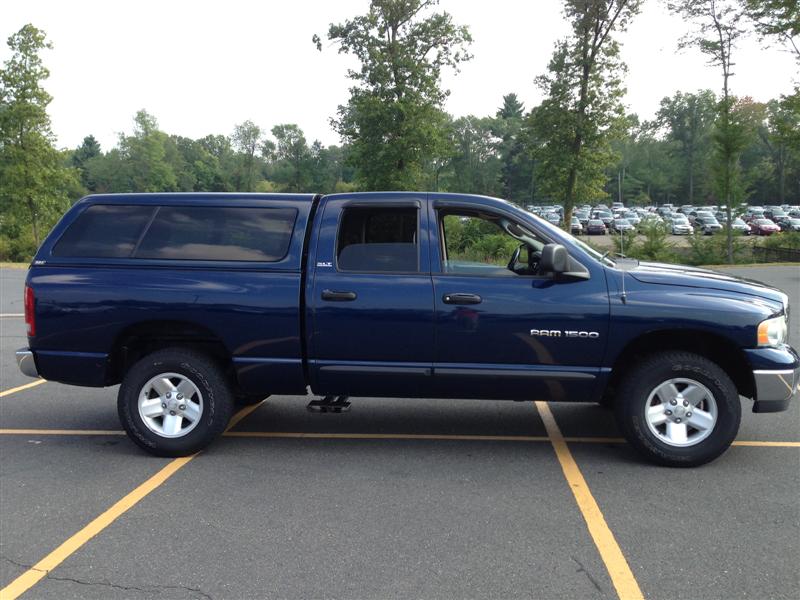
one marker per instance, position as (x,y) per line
(590,335)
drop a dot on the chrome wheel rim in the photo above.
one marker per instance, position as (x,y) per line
(170,405)
(681,412)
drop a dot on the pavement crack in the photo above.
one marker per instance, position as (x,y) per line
(148,589)
(582,569)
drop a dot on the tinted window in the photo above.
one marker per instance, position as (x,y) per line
(378,240)
(202,233)
(104,231)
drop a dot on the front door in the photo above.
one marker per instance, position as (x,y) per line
(504,329)
(371,299)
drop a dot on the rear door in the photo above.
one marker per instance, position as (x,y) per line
(371,297)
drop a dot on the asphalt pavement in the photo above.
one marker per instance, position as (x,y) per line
(400,498)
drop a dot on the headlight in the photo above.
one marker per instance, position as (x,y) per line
(772,332)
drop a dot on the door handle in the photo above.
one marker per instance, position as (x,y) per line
(335,296)
(462,299)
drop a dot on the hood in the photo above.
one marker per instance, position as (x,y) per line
(666,274)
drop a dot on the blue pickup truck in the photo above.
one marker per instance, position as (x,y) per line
(194,302)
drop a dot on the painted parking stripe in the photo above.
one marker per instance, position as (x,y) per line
(9,315)
(41,569)
(616,564)
(20,388)
(385,436)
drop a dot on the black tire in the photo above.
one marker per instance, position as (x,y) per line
(204,373)
(249,399)
(632,402)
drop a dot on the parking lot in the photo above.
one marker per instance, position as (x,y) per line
(397,498)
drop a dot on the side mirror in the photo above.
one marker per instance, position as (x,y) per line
(554,259)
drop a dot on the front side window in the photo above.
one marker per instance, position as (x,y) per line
(378,240)
(219,233)
(488,245)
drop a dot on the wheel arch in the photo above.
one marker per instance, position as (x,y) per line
(714,347)
(145,337)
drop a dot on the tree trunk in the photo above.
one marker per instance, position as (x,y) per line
(34,221)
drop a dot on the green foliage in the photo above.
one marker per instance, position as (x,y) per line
(393,121)
(787,239)
(652,245)
(582,109)
(35,184)
(713,249)
(689,119)
(776,18)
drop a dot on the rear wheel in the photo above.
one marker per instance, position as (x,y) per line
(174,402)
(678,409)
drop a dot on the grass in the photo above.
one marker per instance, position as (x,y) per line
(14,265)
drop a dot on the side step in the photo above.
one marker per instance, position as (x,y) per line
(332,404)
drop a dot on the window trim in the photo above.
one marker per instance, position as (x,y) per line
(361,205)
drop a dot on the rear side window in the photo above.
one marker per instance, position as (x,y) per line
(219,233)
(378,240)
(104,231)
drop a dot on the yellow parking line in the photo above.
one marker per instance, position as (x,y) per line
(380,436)
(766,444)
(616,565)
(61,432)
(5,393)
(40,570)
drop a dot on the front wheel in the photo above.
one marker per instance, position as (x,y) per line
(678,409)
(174,402)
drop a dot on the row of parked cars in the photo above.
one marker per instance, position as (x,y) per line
(684,220)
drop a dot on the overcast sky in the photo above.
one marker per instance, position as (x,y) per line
(201,67)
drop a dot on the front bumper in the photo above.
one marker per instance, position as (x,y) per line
(26,362)
(775,389)
(776,375)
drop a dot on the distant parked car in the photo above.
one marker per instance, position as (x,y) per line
(604,215)
(763,227)
(740,226)
(621,226)
(789,224)
(575,227)
(553,218)
(596,227)
(707,225)
(680,226)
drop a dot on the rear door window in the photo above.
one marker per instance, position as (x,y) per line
(104,231)
(378,240)
(219,233)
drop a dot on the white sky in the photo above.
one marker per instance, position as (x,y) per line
(201,67)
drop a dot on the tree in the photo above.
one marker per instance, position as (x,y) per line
(779,133)
(292,150)
(776,18)
(582,108)
(515,176)
(689,119)
(34,183)
(475,164)
(145,157)
(717,31)
(246,139)
(88,149)
(393,121)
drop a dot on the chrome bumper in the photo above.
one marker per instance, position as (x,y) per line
(26,363)
(775,389)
